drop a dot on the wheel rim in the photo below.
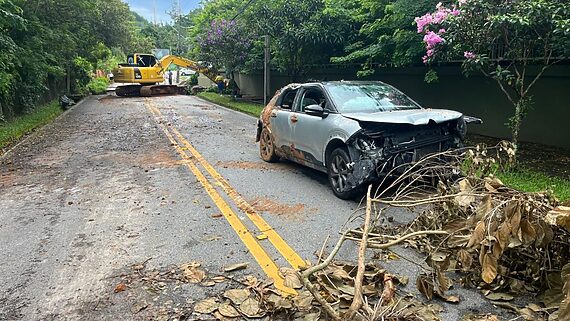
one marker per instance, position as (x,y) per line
(266,145)
(339,173)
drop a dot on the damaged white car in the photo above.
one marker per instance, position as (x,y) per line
(354,131)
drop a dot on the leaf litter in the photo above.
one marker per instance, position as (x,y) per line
(475,232)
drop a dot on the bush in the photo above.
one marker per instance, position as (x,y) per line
(98,86)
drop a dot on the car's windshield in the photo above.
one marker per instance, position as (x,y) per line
(368,98)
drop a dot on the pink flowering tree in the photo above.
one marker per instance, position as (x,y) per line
(511,41)
(226,44)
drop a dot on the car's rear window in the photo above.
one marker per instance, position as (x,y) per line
(368,98)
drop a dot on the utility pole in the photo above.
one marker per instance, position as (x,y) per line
(179,17)
(266,82)
(154,10)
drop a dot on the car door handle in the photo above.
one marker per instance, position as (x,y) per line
(294,119)
(274,114)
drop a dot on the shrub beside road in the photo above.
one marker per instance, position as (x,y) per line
(14,129)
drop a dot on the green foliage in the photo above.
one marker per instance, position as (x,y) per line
(386,35)
(302,32)
(226,101)
(12,130)
(98,86)
(44,43)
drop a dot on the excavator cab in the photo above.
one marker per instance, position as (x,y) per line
(140,60)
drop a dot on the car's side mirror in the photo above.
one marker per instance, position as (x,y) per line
(316,110)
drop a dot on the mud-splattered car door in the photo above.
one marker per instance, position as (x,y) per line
(309,131)
(280,119)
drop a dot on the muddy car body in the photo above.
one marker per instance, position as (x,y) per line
(354,131)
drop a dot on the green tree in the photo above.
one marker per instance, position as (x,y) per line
(385,34)
(302,32)
(503,40)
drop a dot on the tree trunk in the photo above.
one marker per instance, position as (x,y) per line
(68,80)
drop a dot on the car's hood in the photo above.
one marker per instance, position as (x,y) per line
(412,117)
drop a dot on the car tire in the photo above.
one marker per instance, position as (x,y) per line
(266,147)
(337,169)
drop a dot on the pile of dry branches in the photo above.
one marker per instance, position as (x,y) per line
(503,240)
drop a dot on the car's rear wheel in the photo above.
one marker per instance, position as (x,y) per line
(266,147)
(338,170)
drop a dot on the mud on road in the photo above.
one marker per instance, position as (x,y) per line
(85,201)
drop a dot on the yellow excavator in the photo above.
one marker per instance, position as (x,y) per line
(143,74)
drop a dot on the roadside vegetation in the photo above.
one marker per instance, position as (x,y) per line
(529,180)
(252,109)
(16,128)
(98,86)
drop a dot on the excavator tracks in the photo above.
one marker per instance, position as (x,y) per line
(149,91)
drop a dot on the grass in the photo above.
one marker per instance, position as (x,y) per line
(528,180)
(14,129)
(226,101)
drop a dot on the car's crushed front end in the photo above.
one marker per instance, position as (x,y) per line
(382,148)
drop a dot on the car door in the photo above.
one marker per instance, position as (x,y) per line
(280,119)
(309,134)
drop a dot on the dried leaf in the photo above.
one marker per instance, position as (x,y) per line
(250,280)
(208,283)
(237,296)
(219,279)
(464,198)
(465,259)
(192,273)
(560,216)
(206,306)
(228,311)
(513,211)
(424,286)
(235,267)
(489,267)
(498,296)
(120,287)
(528,232)
(303,301)
(478,235)
(291,278)
(250,307)
(279,302)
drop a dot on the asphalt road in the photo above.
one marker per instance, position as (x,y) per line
(118,182)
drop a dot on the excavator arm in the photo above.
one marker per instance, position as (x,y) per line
(200,67)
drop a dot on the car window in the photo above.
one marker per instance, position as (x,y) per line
(368,98)
(311,96)
(288,99)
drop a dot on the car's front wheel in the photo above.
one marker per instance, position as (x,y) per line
(266,147)
(338,170)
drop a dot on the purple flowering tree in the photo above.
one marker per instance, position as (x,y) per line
(226,44)
(511,41)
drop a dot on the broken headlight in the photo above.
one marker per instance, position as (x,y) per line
(461,127)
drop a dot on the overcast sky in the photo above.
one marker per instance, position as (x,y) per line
(146,8)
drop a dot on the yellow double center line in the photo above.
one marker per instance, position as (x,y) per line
(260,255)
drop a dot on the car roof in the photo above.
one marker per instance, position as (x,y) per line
(344,82)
